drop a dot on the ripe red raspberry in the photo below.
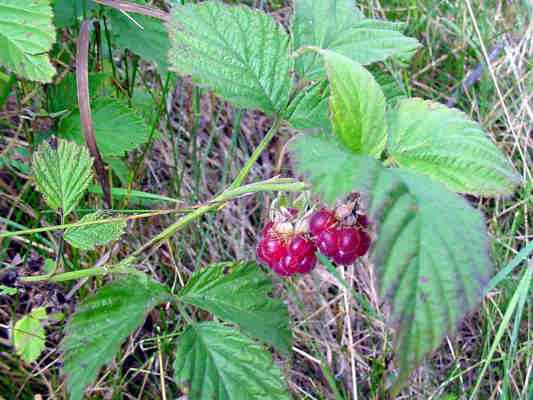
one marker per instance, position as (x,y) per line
(364,244)
(348,239)
(342,245)
(300,256)
(344,258)
(279,268)
(270,250)
(327,242)
(286,255)
(321,221)
(306,264)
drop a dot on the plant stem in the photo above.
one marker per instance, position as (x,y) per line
(224,196)
(82,273)
(82,80)
(255,155)
(275,184)
(84,224)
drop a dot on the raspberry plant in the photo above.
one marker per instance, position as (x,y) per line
(406,158)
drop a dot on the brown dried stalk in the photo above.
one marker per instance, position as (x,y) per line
(82,80)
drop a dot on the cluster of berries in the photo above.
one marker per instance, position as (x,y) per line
(288,244)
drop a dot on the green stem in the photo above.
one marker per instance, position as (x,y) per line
(224,196)
(79,274)
(83,224)
(275,184)
(255,155)
(285,185)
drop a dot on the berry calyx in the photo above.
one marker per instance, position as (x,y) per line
(362,221)
(321,221)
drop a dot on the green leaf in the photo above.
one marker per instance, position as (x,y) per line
(90,236)
(67,12)
(119,167)
(357,105)
(310,108)
(217,362)
(147,37)
(241,296)
(332,170)
(62,174)
(431,249)
(240,53)
(339,26)
(446,145)
(392,89)
(63,95)
(118,129)
(102,323)
(27,35)
(29,336)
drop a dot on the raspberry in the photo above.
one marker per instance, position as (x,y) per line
(342,245)
(348,240)
(299,246)
(270,250)
(306,264)
(300,255)
(280,269)
(345,258)
(286,255)
(320,221)
(327,242)
(364,244)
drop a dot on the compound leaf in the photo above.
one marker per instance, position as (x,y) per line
(89,236)
(29,335)
(62,174)
(147,37)
(27,35)
(118,129)
(240,53)
(102,323)
(431,249)
(357,105)
(214,361)
(241,296)
(446,145)
(339,26)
